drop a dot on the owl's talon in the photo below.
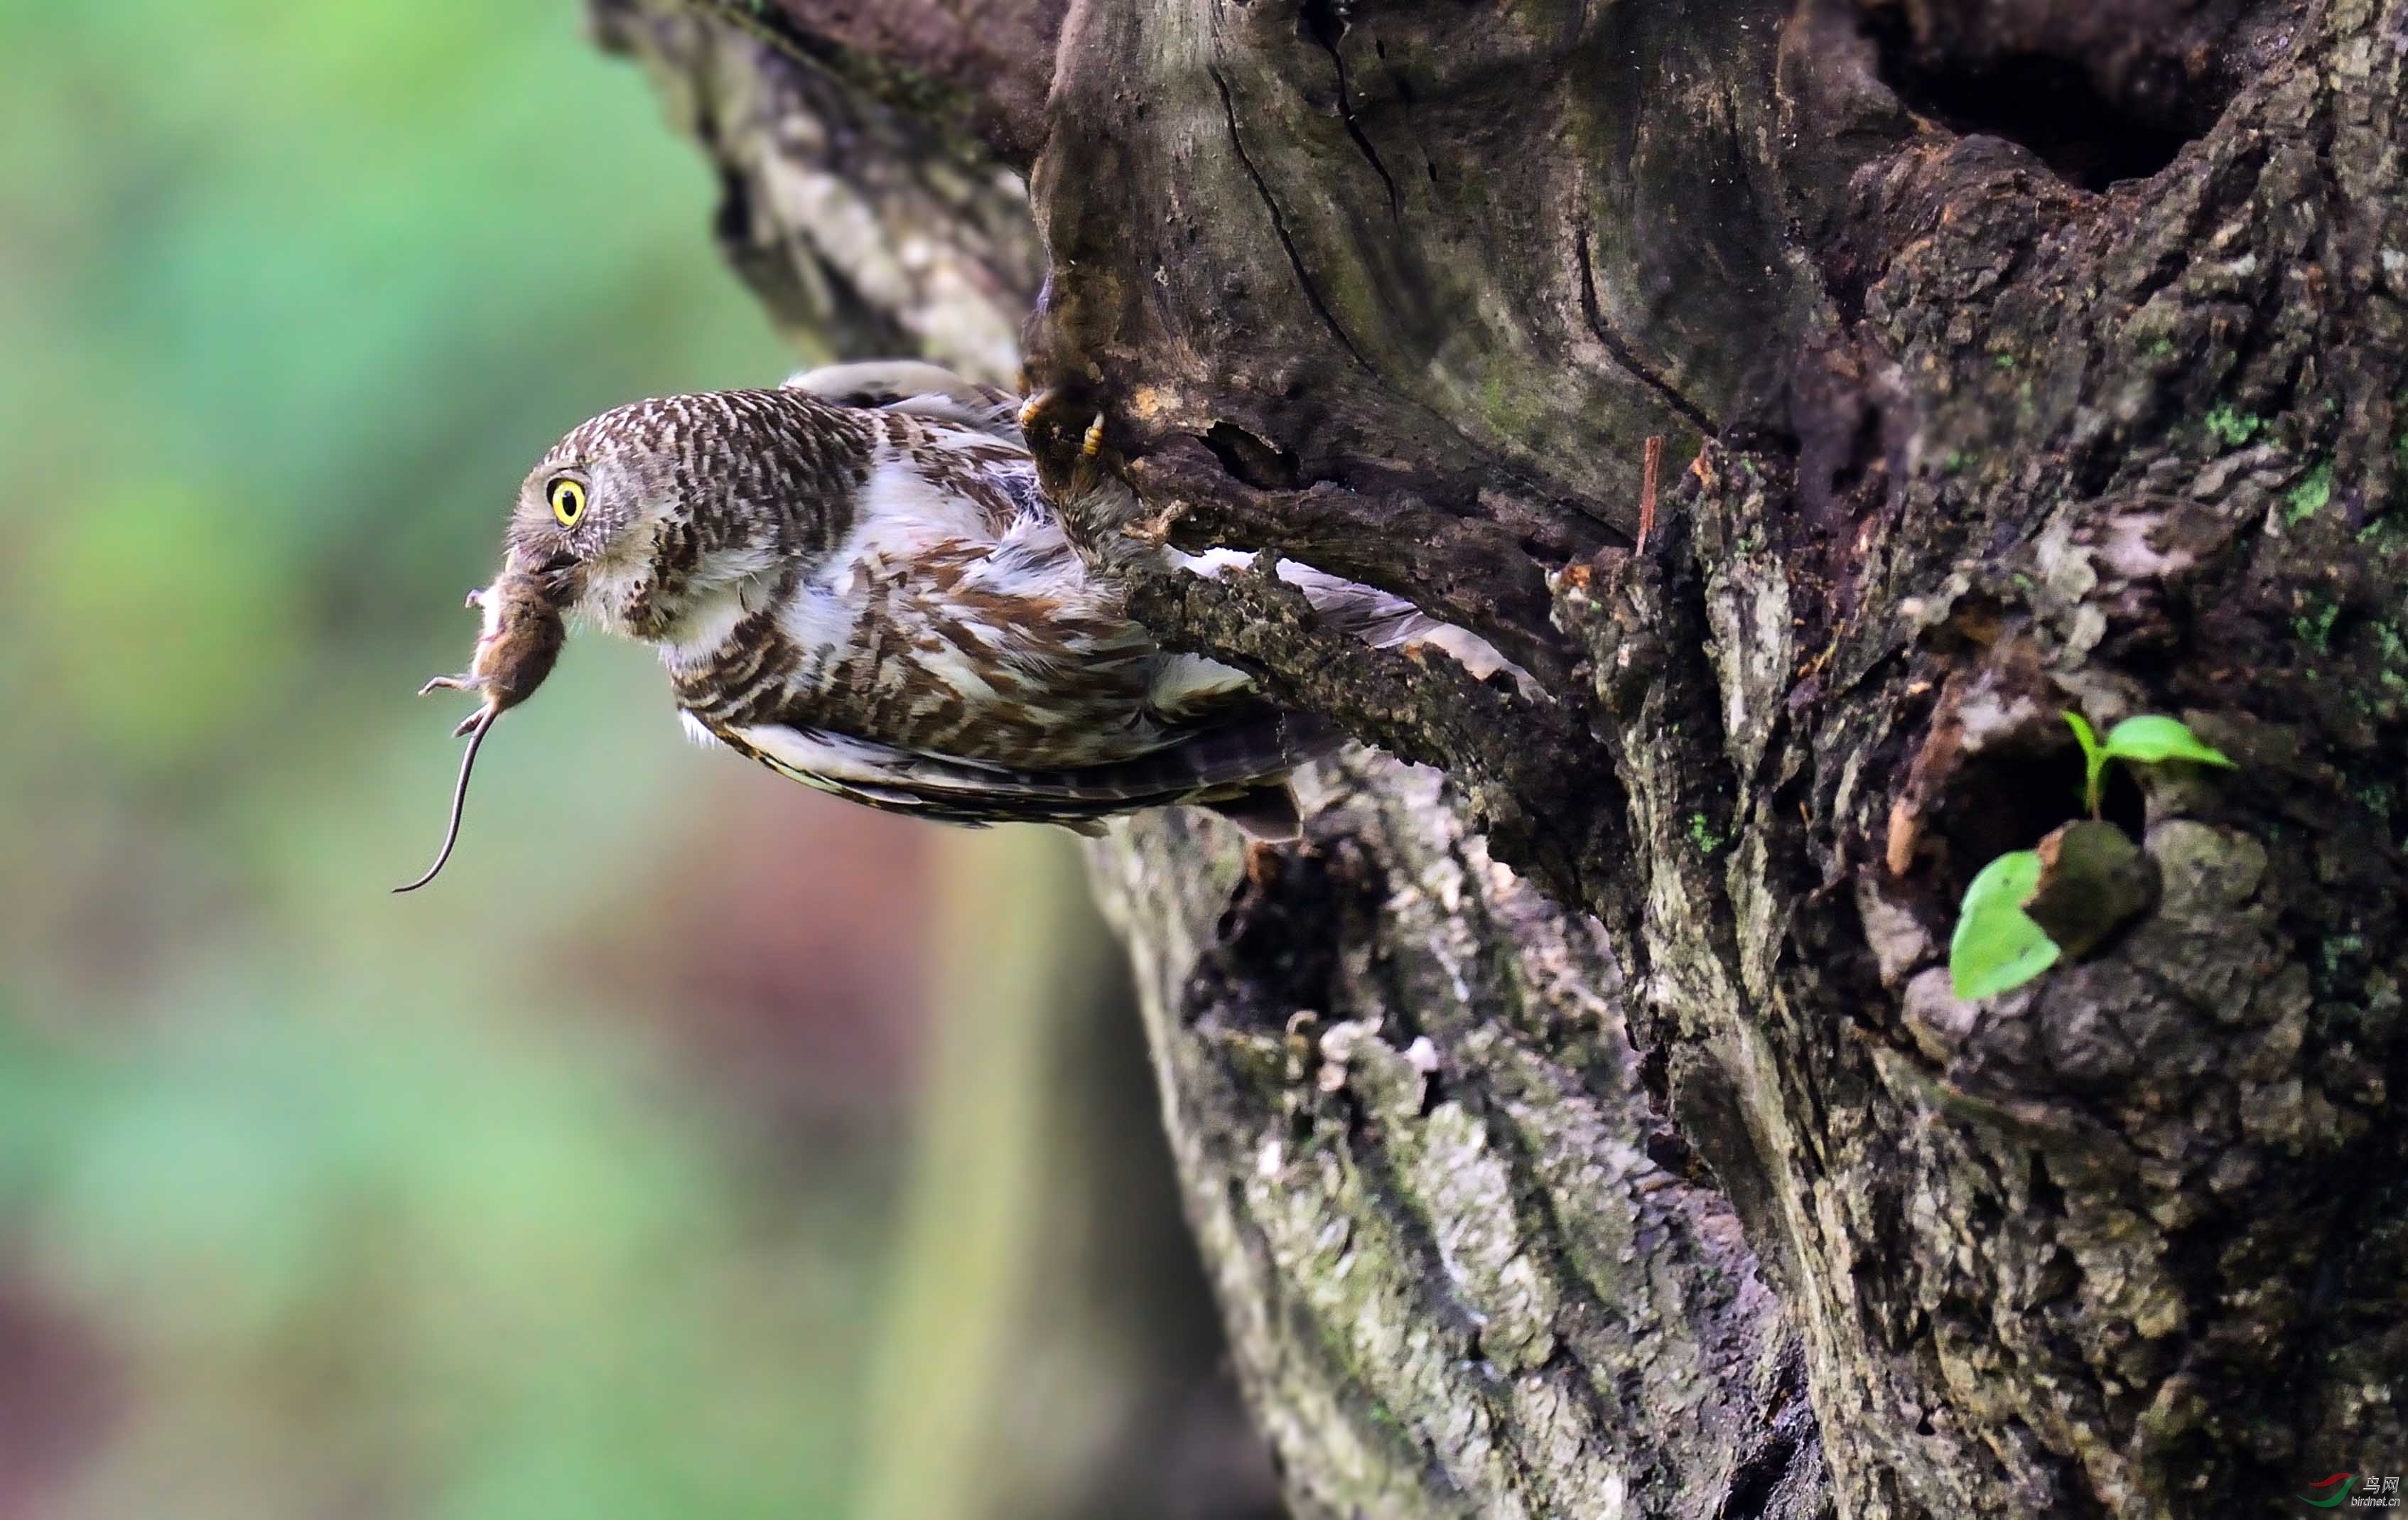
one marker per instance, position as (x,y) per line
(1032,416)
(1035,406)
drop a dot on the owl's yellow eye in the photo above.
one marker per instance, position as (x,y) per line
(567,501)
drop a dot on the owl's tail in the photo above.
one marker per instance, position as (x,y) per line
(1378,618)
(1241,771)
(1224,766)
(1227,761)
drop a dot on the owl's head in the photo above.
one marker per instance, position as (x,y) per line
(645,519)
(649,513)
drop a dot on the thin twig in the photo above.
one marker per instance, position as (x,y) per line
(1647,491)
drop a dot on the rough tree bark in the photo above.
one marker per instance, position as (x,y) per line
(2013,357)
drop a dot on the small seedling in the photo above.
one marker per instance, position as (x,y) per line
(2145,741)
(1998,947)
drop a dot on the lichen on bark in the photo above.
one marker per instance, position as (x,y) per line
(1419,1164)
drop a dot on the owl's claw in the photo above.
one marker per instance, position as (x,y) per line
(1049,432)
(1032,414)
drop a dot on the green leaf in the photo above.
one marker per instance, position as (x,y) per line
(2094,756)
(2152,740)
(1997,947)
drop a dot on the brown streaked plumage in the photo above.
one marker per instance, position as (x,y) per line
(855,579)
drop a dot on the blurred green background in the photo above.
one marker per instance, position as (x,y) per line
(626,1173)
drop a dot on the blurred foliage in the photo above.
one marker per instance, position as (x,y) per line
(314,1201)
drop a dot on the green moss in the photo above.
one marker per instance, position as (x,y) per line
(2314,626)
(2339,949)
(1703,834)
(1258,1063)
(2233,428)
(2162,349)
(2311,496)
(1511,409)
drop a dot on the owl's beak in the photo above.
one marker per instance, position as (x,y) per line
(557,578)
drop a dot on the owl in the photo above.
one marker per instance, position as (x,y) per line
(855,579)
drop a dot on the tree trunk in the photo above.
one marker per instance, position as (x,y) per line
(2011,358)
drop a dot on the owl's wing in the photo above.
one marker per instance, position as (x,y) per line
(921,390)
(1226,767)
